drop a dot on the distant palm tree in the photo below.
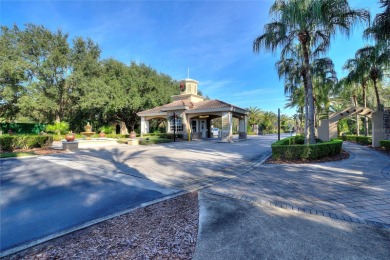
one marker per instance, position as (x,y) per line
(374,60)
(358,74)
(311,24)
(254,116)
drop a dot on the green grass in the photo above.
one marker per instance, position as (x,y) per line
(16,154)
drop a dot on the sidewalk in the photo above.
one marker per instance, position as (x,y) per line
(294,211)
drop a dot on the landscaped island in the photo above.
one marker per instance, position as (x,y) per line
(293,148)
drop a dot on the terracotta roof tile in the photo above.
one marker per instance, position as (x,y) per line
(211,104)
(202,105)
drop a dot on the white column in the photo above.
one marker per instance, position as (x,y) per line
(144,126)
(227,127)
(378,130)
(242,128)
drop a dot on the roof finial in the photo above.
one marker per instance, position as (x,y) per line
(188,72)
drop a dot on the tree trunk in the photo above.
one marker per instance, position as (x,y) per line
(378,101)
(306,130)
(310,99)
(365,106)
(355,103)
(58,118)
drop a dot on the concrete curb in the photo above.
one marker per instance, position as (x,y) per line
(86,225)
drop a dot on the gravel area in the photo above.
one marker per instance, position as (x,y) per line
(166,230)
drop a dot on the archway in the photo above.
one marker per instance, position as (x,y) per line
(328,127)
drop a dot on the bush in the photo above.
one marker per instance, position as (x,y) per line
(163,135)
(106,129)
(286,150)
(366,140)
(58,128)
(11,142)
(22,128)
(385,144)
(154,141)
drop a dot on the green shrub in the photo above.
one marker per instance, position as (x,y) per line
(366,140)
(385,144)
(116,136)
(285,150)
(11,142)
(7,143)
(58,128)
(106,129)
(22,128)
(148,141)
(163,135)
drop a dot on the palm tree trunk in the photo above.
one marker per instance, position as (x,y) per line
(310,99)
(355,103)
(378,101)
(365,106)
(306,131)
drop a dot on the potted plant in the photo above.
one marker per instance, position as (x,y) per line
(70,137)
(104,130)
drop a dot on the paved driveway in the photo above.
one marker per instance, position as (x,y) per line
(356,189)
(49,194)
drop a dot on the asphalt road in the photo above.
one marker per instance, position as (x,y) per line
(40,198)
(49,194)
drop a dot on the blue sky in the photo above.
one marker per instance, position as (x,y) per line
(211,38)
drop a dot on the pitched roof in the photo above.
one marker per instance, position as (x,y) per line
(208,105)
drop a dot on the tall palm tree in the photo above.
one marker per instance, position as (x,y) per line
(311,24)
(374,60)
(324,77)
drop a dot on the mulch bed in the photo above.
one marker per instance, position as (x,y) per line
(39,151)
(166,230)
(382,150)
(338,157)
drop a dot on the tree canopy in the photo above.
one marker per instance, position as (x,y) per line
(48,78)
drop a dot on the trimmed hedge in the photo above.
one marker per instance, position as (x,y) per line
(385,144)
(162,135)
(154,141)
(22,128)
(9,143)
(366,140)
(286,149)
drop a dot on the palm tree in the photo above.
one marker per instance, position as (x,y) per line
(254,116)
(297,99)
(358,74)
(324,82)
(311,24)
(324,78)
(380,28)
(374,60)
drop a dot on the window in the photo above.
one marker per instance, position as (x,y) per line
(179,125)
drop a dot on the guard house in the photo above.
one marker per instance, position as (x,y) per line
(193,114)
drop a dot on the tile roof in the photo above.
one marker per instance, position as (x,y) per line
(211,104)
(182,104)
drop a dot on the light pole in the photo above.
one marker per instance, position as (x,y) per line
(278,124)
